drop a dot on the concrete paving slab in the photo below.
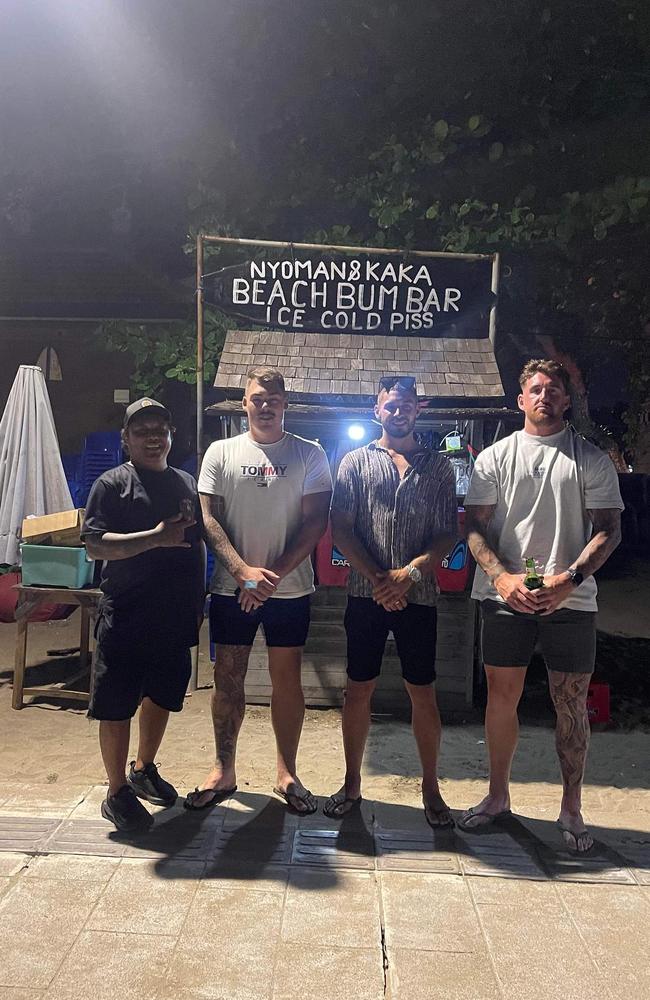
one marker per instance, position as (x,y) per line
(422,975)
(328,973)
(498,854)
(255,808)
(360,818)
(596,866)
(415,851)
(332,912)
(27,834)
(177,833)
(89,806)
(539,955)
(71,867)
(638,858)
(271,878)
(532,896)
(86,836)
(105,966)
(334,849)
(44,800)
(12,862)
(227,946)
(40,920)
(145,898)
(613,922)
(429,913)
(15,993)
(392,816)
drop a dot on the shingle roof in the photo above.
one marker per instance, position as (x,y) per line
(350,365)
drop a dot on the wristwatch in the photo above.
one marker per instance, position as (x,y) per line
(413,573)
(575,577)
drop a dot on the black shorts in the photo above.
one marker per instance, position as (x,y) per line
(285,621)
(127,668)
(367,626)
(567,638)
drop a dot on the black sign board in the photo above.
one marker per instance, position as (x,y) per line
(340,293)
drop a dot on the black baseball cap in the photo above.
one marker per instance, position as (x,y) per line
(150,405)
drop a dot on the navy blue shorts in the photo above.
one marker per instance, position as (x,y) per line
(367,625)
(285,621)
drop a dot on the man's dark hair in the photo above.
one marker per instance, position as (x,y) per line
(547,367)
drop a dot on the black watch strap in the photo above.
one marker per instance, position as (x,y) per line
(576,577)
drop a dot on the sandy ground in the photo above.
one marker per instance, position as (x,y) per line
(51,743)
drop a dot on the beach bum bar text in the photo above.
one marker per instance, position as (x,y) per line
(358,294)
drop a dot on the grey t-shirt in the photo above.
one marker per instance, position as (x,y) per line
(263,486)
(542,488)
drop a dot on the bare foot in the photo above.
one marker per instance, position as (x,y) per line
(342,802)
(294,793)
(488,809)
(574,832)
(216,781)
(436,811)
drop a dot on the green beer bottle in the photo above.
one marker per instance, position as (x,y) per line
(532,580)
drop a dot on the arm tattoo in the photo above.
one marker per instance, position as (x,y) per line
(606,537)
(213,508)
(477,521)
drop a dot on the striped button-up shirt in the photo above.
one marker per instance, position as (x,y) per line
(396,519)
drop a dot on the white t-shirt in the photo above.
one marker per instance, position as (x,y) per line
(542,488)
(263,486)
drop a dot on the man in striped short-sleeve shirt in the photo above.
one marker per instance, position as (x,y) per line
(394,516)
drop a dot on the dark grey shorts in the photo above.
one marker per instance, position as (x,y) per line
(566,638)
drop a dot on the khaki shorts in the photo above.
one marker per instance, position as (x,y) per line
(566,638)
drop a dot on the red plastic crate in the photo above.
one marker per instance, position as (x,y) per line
(598,702)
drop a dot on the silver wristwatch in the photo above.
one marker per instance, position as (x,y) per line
(413,573)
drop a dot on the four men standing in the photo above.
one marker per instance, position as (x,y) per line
(542,493)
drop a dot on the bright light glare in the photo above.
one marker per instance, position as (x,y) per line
(356,432)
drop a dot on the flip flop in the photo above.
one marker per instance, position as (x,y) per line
(218,795)
(490,818)
(334,803)
(448,822)
(288,796)
(575,837)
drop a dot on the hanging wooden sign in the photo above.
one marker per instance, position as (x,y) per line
(339,293)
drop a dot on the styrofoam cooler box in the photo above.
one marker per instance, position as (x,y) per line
(56,566)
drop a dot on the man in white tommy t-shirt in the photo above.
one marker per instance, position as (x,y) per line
(265,499)
(547,494)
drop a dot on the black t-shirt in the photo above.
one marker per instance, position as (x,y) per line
(158,590)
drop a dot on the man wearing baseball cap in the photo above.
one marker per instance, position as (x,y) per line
(143,520)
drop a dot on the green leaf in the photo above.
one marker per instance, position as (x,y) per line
(463,210)
(433,211)
(441,129)
(600,231)
(496,152)
(474,122)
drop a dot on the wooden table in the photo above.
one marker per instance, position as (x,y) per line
(29,598)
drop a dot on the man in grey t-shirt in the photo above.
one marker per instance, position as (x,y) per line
(265,499)
(546,494)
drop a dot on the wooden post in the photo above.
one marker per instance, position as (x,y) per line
(19,662)
(199,352)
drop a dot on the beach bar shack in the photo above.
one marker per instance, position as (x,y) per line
(332,376)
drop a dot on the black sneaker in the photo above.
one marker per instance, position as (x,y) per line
(147,784)
(125,812)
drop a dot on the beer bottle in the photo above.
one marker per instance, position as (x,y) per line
(532,580)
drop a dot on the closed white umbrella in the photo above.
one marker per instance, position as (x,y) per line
(32,480)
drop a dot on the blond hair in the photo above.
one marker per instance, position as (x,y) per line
(270,378)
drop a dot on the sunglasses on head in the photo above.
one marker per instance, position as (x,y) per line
(389,382)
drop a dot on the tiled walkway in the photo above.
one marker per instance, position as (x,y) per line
(247,902)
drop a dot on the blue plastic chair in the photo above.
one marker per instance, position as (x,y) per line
(102,450)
